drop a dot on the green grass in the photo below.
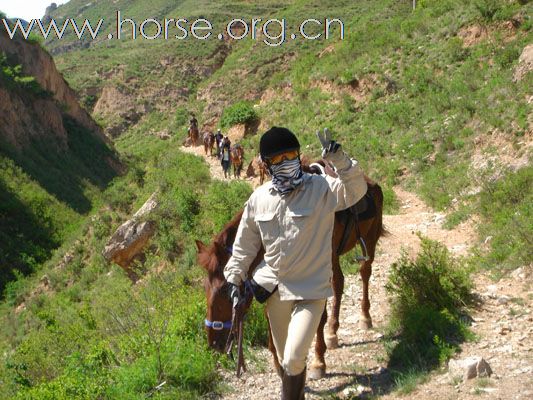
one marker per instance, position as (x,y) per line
(505,205)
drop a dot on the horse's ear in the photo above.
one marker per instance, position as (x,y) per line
(203,255)
(200,246)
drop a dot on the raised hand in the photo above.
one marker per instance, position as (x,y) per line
(328,145)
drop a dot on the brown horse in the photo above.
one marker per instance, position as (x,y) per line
(256,167)
(194,135)
(209,143)
(214,257)
(237,159)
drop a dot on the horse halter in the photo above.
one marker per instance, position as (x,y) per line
(220,325)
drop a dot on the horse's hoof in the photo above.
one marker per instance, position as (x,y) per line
(332,341)
(315,373)
(365,323)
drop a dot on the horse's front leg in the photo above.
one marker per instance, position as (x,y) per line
(318,367)
(337,282)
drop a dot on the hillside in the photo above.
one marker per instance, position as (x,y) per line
(435,103)
(420,97)
(54,158)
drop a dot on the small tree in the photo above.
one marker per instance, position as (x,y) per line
(241,112)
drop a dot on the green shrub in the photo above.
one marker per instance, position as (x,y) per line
(507,56)
(12,76)
(487,8)
(506,206)
(181,117)
(239,113)
(428,297)
(220,204)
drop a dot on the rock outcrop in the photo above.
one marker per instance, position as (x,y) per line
(525,63)
(469,368)
(22,117)
(48,13)
(126,245)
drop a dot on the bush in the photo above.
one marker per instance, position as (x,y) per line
(13,78)
(506,206)
(487,8)
(428,296)
(239,113)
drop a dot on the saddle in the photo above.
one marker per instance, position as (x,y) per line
(363,210)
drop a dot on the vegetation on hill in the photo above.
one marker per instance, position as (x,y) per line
(48,186)
(411,94)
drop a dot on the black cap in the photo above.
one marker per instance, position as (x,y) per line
(276,141)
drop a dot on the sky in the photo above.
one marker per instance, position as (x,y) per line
(27,9)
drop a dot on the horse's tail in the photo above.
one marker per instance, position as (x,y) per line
(380,199)
(377,195)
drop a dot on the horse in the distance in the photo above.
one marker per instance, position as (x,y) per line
(194,134)
(209,143)
(256,167)
(237,159)
(348,231)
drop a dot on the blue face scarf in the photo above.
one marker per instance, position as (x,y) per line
(286,175)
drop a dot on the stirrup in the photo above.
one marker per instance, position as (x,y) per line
(364,257)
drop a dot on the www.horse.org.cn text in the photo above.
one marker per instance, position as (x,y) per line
(272,32)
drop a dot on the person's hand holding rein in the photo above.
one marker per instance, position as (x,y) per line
(234,294)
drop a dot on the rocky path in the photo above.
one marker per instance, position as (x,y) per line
(503,323)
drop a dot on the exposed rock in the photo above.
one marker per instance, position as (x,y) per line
(236,133)
(469,368)
(358,89)
(38,63)
(119,101)
(50,9)
(473,34)
(48,13)
(129,240)
(525,63)
(163,135)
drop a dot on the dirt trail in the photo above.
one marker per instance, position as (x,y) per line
(358,368)
(214,165)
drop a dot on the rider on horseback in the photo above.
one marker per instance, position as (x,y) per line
(292,217)
(193,122)
(218,140)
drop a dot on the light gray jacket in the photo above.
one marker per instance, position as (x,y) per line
(296,231)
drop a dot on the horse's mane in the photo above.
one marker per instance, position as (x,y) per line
(228,233)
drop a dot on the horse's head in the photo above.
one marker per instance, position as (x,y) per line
(218,319)
(212,258)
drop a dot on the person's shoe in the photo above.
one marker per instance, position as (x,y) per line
(292,386)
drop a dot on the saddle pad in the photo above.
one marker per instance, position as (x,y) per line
(365,209)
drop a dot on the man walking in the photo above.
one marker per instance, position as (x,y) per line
(292,217)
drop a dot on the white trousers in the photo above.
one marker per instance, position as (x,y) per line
(293,324)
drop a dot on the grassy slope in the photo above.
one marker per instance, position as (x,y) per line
(46,191)
(422,135)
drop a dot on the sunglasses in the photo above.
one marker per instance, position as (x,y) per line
(288,155)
